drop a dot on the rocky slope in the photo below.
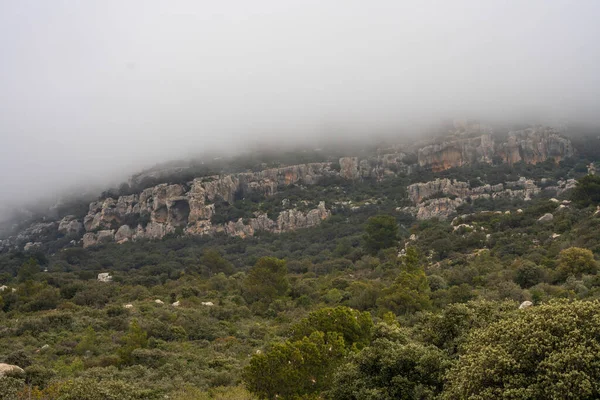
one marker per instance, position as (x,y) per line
(531,146)
(189,208)
(440,198)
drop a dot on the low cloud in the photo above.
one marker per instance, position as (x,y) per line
(93,91)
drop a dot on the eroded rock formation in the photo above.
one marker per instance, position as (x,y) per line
(163,209)
(440,198)
(189,208)
(532,145)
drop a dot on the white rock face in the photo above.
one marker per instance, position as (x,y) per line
(525,304)
(104,277)
(128,306)
(176,304)
(454,193)
(159,301)
(3,288)
(208,303)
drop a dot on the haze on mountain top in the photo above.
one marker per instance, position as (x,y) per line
(98,89)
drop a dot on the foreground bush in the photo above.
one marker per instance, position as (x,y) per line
(544,352)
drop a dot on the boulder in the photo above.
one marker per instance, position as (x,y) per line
(70,226)
(525,304)
(104,277)
(546,218)
(124,233)
(10,369)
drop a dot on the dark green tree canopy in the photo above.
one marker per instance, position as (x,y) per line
(381,232)
(354,326)
(587,191)
(266,281)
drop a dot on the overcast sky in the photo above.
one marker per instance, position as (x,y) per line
(90,89)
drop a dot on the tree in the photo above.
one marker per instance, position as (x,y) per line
(528,274)
(294,370)
(214,263)
(266,281)
(587,191)
(381,232)
(136,338)
(88,343)
(391,369)
(543,352)
(575,261)
(354,326)
(28,270)
(410,291)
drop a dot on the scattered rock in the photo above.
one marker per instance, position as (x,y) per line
(104,277)
(525,304)
(9,368)
(158,301)
(546,218)
(553,200)
(176,304)
(30,246)
(208,303)
(554,236)
(128,306)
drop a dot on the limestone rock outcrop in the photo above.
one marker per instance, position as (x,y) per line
(457,152)
(92,239)
(163,209)
(535,145)
(440,198)
(532,145)
(189,208)
(70,226)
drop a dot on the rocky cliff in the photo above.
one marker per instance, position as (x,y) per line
(189,208)
(531,146)
(163,209)
(440,198)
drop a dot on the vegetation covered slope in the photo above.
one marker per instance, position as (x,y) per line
(371,304)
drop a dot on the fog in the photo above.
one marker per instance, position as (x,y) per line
(92,91)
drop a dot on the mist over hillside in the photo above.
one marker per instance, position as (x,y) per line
(100,90)
(299,199)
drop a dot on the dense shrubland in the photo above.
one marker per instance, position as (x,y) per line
(371,304)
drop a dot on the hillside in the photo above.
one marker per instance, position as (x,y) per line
(389,271)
